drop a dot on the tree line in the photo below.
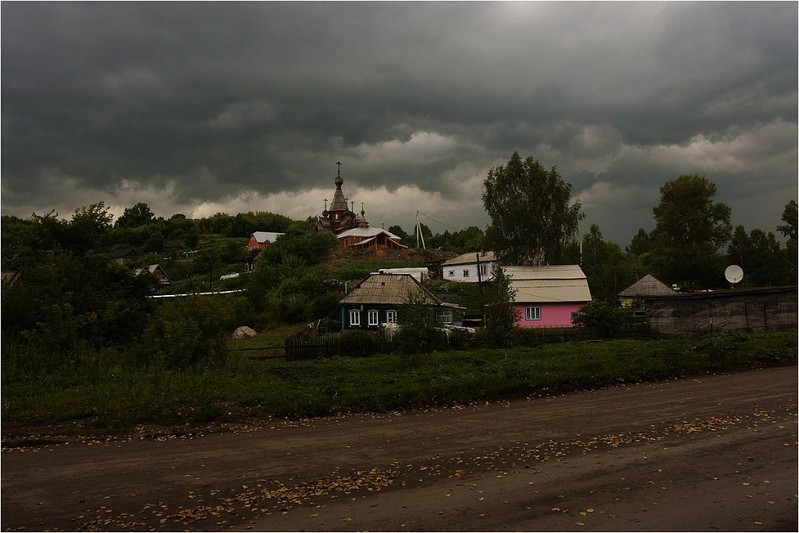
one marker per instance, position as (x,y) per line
(73,304)
(534,221)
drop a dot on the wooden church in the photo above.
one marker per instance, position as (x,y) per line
(352,229)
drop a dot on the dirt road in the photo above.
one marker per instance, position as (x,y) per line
(715,452)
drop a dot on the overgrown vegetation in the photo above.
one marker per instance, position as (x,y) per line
(108,396)
(82,338)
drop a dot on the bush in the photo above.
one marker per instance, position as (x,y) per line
(191,331)
(600,314)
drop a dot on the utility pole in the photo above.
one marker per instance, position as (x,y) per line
(480,286)
(419,232)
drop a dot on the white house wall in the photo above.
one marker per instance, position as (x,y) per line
(467,272)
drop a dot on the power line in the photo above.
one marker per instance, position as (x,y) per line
(434,220)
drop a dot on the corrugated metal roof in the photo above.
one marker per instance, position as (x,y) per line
(551,291)
(390,289)
(552,283)
(544,272)
(471,258)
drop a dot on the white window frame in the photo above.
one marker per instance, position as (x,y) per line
(391,316)
(532,312)
(355,317)
(465,272)
(444,316)
(373,317)
(451,274)
(484,269)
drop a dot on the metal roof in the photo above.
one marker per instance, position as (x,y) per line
(390,289)
(471,258)
(544,272)
(555,283)
(367,233)
(263,236)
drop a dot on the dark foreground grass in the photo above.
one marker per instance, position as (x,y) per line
(117,400)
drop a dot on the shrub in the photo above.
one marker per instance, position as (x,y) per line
(191,331)
(600,314)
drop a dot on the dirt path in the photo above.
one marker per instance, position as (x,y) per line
(716,452)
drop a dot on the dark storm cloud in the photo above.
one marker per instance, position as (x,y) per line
(205,102)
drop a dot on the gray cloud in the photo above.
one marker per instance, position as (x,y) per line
(204,104)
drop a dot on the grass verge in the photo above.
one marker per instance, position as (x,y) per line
(116,400)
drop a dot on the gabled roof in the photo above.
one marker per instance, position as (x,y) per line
(389,289)
(549,284)
(367,233)
(152,269)
(647,286)
(544,272)
(263,236)
(9,277)
(471,258)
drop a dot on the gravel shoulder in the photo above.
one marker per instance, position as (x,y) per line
(698,454)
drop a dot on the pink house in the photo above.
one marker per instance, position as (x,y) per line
(548,296)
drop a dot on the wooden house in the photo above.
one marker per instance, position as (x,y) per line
(470,267)
(380,298)
(370,238)
(157,271)
(548,296)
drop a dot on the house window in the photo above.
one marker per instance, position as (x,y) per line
(465,272)
(484,269)
(451,273)
(391,316)
(445,317)
(532,312)
(372,317)
(355,317)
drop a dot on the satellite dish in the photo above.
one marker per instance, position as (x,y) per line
(734,274)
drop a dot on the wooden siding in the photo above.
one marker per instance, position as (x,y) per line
(723,312)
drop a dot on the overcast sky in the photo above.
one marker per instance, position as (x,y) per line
(198,108)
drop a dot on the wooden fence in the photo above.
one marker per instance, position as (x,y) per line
(315,346)
(303,346)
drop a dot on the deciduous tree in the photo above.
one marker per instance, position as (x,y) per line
(133,217)
(690,229)
(532,214)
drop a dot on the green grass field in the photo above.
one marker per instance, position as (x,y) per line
(111,399)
